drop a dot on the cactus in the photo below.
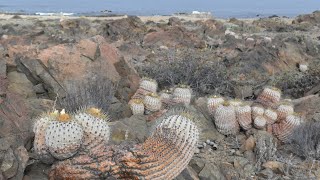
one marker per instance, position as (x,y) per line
(166,99)
(213,102)
(269,96)
(95,127)
(225,119)
(63,136)
(162,156)
(243,114)
(256,111)
(152,103)
(260,122)
(136,106)
(284,110)
(149,85)
(271,116)
(182,94)
(235,102)
(284,129)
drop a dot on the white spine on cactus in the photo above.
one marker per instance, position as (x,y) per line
(235,102)
(213,103)
(137,108)
(271,116)
(270,95)
(260,122)
(96,129)
(63,138)
(152,103)
(284,110)
(182,95)
(39,144)
(257,111)
(149,85)
(243,114)
(225,120)
(287,126)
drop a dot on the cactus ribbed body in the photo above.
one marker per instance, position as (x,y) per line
(260,122)
(149,85)
(166,99)
(163,155)
(182,95)
(235,102)
(225,120)
(137,106)
(243,114)
(269,96)
(271,116)
(63,138)
(257,111)
(39,144)
(152,103)
(96,130)
(284,110)
(213,102)
(284,129)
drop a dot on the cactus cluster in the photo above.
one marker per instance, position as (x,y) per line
(146,96)
(163,155)
(268,112)
(61,135)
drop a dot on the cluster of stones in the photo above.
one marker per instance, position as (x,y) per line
(59,135)
(268,112)
(146,100)
(164,155)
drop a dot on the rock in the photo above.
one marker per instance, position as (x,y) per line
(211,172)
(20,84)
(89,49)
(266,147)
(39,88)
(313,18)
(3,85)
(37,171)
(303,67)
(187,174)
(275,166)
(174,21)
(308,107)
(248,145)
(9,165)
(266,173)
(22,158)
(242,92)
(197,164)
(3,68)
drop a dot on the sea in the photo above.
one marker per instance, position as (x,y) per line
(218,8)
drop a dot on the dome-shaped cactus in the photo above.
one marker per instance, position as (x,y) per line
(284,110)
(182,94)
(257,110)
(166,98)
(260,122)
(284,129)
(63,136)
(243,115)
(235,102)
(95,127)
(270,115)
(39,129)
(136,106)
(149,84)
(152,103)
(225,119)
(213,102)
(269,96)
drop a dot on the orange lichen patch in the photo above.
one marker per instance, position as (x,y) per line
(153,95)
(136,101)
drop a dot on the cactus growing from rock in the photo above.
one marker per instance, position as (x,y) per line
(225,119)
(269,96)
(63,136)
(213,102)
(243,114)
(182,94)
(136,106)
(95,127)
(162,156)
(152,103)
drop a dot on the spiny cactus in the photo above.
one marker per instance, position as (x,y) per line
(284,110)
(284,129)
(256,111)
(167,98)
(269,96)
(182,94)
(243,114)
(39,129)
(162,156)
(260,122)
(271,116)
(235,102)
(152,103)
(225,119)
(136,106)
(95,127)
(148,85)
(213,102)
(63,136)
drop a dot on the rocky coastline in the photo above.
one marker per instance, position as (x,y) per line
(43,58)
